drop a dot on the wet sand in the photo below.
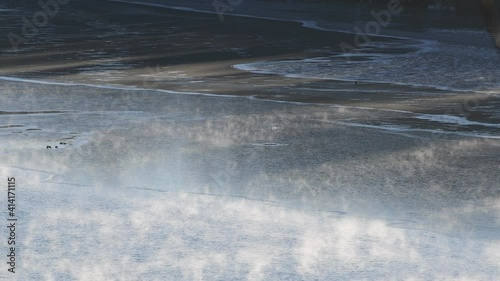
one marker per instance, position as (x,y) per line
(151,47)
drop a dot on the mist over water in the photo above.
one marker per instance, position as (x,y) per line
(172,172)
(188,186)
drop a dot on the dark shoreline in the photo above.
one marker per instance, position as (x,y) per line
(149,47)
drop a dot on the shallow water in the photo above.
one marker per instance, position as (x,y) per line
(163,171)
(188,186)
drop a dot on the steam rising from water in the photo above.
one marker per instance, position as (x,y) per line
(179,190)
